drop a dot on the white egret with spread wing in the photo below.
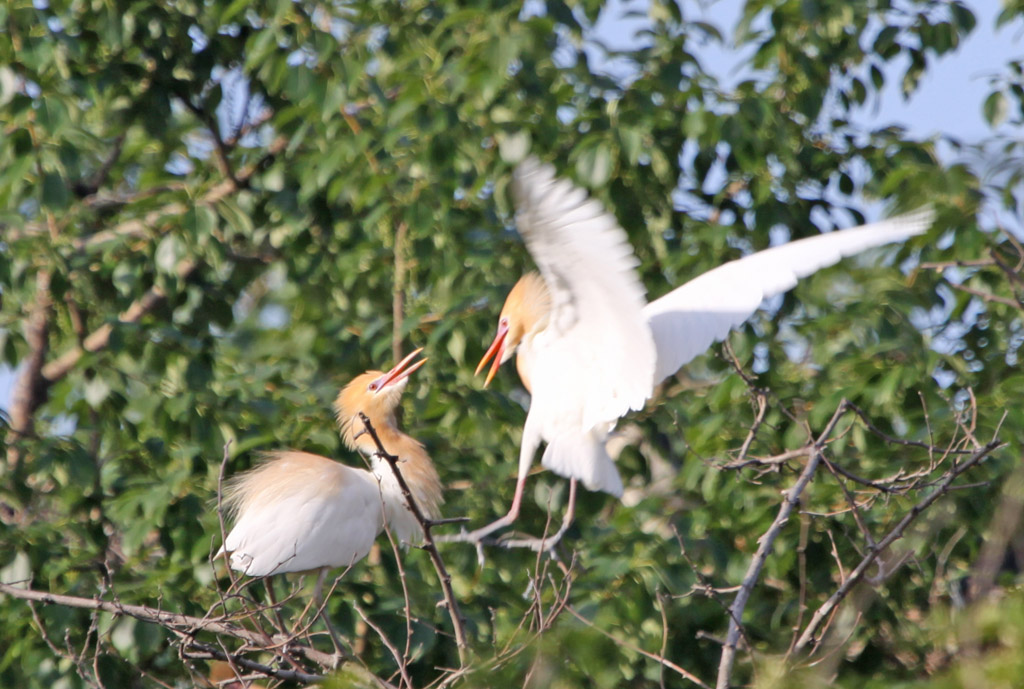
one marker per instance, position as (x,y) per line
(590,348)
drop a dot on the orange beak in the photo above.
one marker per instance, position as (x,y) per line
(400,372)
(496,350)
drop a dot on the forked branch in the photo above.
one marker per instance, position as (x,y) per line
(764,549)
(894,534)
(964,460)
(178,623)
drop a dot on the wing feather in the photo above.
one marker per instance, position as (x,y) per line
(596,298)
(689,319)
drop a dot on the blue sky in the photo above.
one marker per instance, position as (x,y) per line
(948,101)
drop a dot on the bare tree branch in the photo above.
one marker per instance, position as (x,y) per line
(173,621)
(140,227)
(765,545)
(100,338)
(894,534)
(458,622)
(398,291)
(30,387)
(197,650)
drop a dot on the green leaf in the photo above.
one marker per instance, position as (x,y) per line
(631,140)
(122,637)
(514,146)
(343,120)
(457,346)
(594,164)
(55,191)
(96,391)
(18,569)
(169,252)
(125,278)
(995,108)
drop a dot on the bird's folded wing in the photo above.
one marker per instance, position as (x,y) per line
(298,511)
(596,298)
(689,319)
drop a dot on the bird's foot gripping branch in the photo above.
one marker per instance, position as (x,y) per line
(545,543)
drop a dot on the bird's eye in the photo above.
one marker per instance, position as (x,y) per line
(503,322)
(374,386)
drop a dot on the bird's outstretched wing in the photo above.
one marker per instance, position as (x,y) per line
(689,319)
(596,324)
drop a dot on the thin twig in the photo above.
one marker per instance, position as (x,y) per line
(704,585)
(942,265)
(458,624)
(894,534)
(762,407)
(223,150)
(987,296)
(854,508)
(204,651)
(1012,273)
(87,189)
(399,659)
(781,458)
(172,621)
(664,637)
(665,662)
(407,602)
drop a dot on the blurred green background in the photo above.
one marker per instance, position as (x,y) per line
(215,214)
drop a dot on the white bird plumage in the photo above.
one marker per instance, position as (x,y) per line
(690,318)
(297,511)
(589,346)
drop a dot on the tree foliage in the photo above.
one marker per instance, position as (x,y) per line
(214,214)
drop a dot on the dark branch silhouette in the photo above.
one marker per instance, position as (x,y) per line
(458,622)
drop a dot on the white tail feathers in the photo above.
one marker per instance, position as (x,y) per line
(584,457)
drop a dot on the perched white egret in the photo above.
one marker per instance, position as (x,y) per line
(298,512)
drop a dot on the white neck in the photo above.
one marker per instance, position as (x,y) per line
(400,520)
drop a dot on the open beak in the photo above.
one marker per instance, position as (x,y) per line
(400,372)
(496,350)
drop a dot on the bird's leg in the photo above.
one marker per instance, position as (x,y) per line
(570,513)
(546,543)
(507,520)
(268,583)
(274,643)
(318,589)
(318,601)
